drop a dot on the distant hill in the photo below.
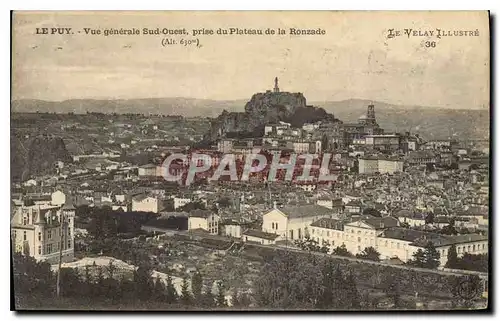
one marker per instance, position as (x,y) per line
(430,122)
(188,107)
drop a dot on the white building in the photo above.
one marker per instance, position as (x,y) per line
(181,201)
(204,219)
(371,165)
(260,237)
(390,240)
(292,222)
(58,198)
(143,203)
(37,231)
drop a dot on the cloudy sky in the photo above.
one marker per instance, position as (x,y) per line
(353,60)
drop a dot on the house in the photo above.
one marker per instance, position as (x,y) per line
(233,228)
(334,204)
(37,231)
(293,222)
(147,170)
(256,236)
(353,207)
(411,218)
(328,231)
(143,203)
(204,219)
(181,201)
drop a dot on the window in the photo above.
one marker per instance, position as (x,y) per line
(483,246)
(328,233)
(312,231)
(69,244)
(15,234)
(359,239)
(49,234)
(272,225)
(25,220)
(39,249)
(24,236)
(473,248)
(39,236)
(276,224)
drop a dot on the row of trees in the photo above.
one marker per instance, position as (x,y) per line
(95,283)
(293,281)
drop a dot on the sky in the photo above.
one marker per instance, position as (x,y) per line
(354,59)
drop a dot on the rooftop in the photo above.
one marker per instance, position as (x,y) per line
(305,211)
(261,235)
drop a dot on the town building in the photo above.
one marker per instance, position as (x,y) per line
(204,219)
(292,222)
(40,231)
(144,203)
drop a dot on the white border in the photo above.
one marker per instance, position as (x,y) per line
(193,5)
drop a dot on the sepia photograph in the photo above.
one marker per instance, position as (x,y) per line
(250,161)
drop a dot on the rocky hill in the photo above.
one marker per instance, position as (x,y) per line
(265,108)
(36,156)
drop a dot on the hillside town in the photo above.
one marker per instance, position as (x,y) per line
(396,201)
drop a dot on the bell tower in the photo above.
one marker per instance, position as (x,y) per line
(370,114)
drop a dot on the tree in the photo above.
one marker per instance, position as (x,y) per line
(111,269)
(429,218)
(196,286)
(418,259)
(208,297)
(235,299)
(352,295)
(432,256)
(171,292)
(392,290)
(220,298)
(369,253)
(185,293)
(159,290)
(142,281)
(327,296)
(452,258)
(341,251)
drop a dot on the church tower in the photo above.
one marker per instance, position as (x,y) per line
(276,88)
(370,114)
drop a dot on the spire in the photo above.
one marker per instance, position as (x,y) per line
(276,88)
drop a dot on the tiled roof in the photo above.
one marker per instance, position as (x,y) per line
(329,223)
(305,211)
(200,213)
(261,235)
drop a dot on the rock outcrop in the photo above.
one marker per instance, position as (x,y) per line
(37,156)
(266,108)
